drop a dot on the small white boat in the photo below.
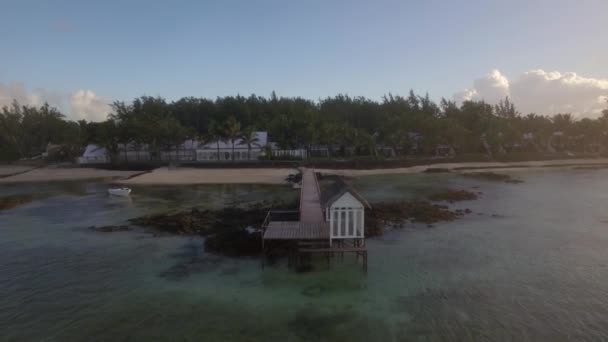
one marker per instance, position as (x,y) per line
(119,191)
(296,185)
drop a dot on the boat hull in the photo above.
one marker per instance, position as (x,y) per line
(124,192)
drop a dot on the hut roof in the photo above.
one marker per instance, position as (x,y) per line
(336,190)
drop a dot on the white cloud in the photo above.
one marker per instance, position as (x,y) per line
(86,105)
(81,104)
(542,92)
(491,88)
(466,95)
(17,91)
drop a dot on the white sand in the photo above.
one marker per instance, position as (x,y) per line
(254,175)
(212,176)
(49,174)
(469,167)
(11,169)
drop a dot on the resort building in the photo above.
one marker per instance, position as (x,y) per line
(131,152)
(193,151)
(223,150)
(94,154)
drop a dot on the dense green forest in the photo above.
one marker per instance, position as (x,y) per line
(357,123)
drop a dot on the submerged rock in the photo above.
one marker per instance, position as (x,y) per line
(235,242)
(453,196)
(437,170)
(313,290)
(492,176)
(229,231)
(338,324)
(236,231)
(9,202)
(209,221)
(399,213)
(109,229)
(186,268)
(294,178)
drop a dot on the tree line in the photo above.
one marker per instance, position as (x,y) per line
(412,124)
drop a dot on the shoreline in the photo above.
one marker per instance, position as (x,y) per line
(191,176)
(58,174)
(274,176)
(470,167)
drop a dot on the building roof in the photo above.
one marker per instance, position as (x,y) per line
(336,190)
(262,140)
(93,150)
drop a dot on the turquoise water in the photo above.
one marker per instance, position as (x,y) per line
(530,263)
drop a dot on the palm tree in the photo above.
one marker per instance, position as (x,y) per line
(11,127)
(109,138)
(563,122)
(249,138)
(215,133)
(232,131)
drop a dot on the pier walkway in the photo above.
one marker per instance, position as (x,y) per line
(311,225)
(310,198)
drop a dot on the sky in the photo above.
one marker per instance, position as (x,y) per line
(549,56)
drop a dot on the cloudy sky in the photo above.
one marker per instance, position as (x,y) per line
(549,56)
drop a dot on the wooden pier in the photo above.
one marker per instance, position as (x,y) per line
(310,233)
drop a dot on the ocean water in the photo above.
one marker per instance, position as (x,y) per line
(530,263)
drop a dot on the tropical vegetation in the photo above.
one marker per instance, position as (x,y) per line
(346,126)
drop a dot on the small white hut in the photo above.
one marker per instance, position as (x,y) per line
(345,211)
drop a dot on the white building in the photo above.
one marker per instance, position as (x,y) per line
(209,151)
(94,154)
(131,152)
(192,151)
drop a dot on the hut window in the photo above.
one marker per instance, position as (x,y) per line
(355,224)
(351,222)
(360,222)
(343,223)
(334,223)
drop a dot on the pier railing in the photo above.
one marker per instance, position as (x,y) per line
(280,215)
(277,215)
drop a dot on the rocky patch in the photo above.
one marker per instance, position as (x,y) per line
(453,196)
(9,202)
(110,229)
(493,177)
(397,214)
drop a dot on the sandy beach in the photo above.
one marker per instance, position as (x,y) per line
(6,170)
(51,174)
(183,176)
(212,176)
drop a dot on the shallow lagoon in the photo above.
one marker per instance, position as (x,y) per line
(531,262)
